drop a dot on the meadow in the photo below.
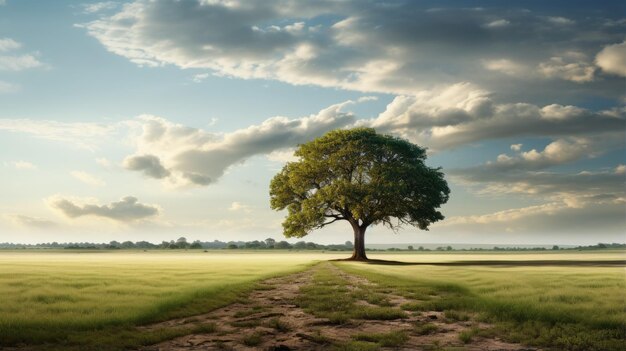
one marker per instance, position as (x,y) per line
(563,306)
(60,300)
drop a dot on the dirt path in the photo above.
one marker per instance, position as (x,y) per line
(270,319)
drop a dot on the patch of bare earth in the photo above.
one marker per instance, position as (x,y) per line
(270,320)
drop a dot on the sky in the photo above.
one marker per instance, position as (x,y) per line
(151,120)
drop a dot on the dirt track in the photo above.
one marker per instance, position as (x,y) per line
(270,320)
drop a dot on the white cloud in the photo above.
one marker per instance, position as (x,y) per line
(186,156)
(398,49)
(128,209)
(463,113)
(506,66)
(516,147)
(8,44)
(282,156)
(18,62)
(612,59)
(23,165)
(569,67)
(99,6)
(557,152)
(199,78)
(87,178)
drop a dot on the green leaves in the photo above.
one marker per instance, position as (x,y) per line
(359,176)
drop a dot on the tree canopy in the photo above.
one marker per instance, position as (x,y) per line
(362,177)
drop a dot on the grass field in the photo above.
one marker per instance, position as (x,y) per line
(565,306)
(63,300)
(83,297)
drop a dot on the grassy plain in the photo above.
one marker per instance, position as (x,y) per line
(565,306)
(69,300)
(74,298)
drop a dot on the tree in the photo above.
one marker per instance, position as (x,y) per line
(362,177)
(270,242)
(182,242)
(282,245)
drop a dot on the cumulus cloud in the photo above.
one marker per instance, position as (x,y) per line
(187,155)
(558,152)
(572,66)
(87,178)
(573,202)
(150,165)
(365,46)
(612,59)
(8,44)
(463,113)
(128,209)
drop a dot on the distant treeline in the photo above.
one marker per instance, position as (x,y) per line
(182,243)
(271,244)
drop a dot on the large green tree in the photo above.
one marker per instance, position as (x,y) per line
(362,177)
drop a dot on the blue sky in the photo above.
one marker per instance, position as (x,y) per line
(148,120)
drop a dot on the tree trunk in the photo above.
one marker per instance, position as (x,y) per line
(359,243)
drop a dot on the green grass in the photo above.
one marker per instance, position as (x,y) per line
(425,328)
(279,325)
(94,300)
(74,299)
(391,339)
(253,339)
(566,308)
(328,296)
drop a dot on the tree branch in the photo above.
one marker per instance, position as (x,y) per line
(327,223)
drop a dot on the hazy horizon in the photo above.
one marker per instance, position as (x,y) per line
(151,120)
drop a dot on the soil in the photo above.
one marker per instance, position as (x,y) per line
(252,324)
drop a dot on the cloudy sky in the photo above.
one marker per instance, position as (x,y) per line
(148,120)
